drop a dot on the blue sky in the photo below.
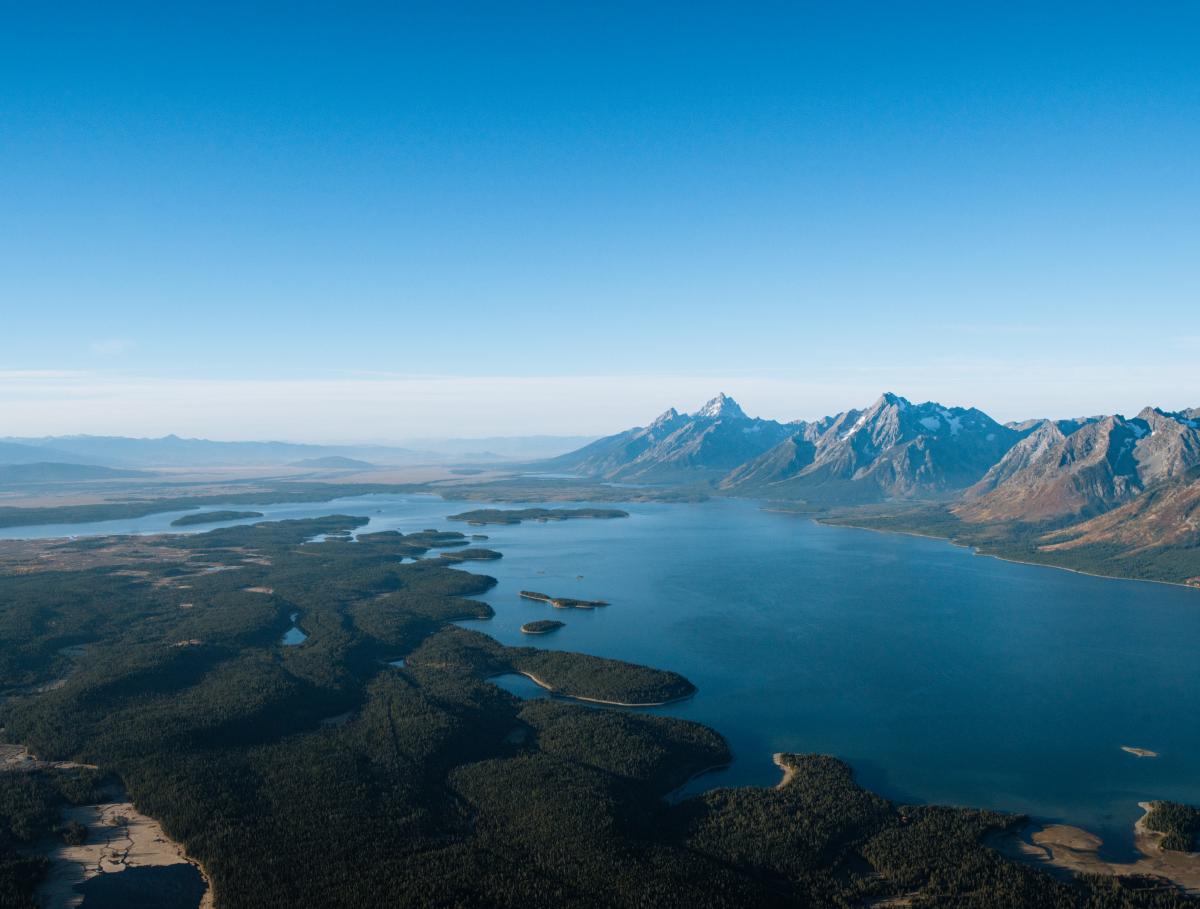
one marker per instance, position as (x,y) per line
(502,218)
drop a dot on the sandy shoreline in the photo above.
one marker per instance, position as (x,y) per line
(1073,850)
(788,770)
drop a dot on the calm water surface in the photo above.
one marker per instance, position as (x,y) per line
(938,675)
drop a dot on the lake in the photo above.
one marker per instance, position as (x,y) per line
(940,676)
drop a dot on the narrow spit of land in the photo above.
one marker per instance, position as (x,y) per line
(561,602)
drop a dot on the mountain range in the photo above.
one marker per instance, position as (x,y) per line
(893,449)
(704,446)
(175,451)
(1108,478)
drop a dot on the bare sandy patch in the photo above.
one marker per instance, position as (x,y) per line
(1071,849)
(119,837)
(17,759)
(788,770)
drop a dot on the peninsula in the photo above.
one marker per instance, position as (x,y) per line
(214,517)
(483,516)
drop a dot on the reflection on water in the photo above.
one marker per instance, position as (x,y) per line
(293,635)
(519,685)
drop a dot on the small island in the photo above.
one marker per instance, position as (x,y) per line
(483,516)
(561,602)
(470,555)
(214,517)
(1139,752)
(543,626)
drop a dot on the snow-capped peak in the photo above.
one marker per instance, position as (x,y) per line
(721,407)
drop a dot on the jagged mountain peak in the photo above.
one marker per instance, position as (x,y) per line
(890,399)
(1153,415)
(1085,469)
(892,449)
(722,407)
(667,416)
(702,446)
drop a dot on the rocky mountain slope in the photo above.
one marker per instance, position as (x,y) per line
(893,449)
(1051,474)
(1167,514)
(678,447)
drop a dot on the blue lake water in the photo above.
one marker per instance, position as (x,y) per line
(940,676)
(294,635)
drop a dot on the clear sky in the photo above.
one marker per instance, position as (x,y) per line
(377,221)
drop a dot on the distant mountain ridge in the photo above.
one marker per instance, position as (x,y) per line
(53,472)
(174,451)
(334,462)
(13,452)
(1108,480)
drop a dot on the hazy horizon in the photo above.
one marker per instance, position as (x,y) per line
(577,413)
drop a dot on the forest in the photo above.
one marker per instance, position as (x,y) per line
(321,775)
(275,494)
(1180,823)
(517,515)
(213,517)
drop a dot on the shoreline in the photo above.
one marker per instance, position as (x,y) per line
(977,551)
(675,796)
(579,697)
(1065,850)
(789,772)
